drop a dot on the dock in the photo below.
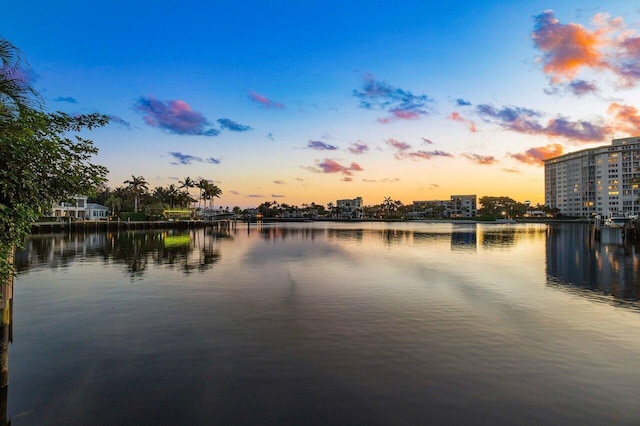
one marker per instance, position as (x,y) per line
(117,225)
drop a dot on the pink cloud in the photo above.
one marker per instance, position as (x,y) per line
(427,155)
(536,156)
(400,146)
(264,101)
(626,118)
(405,114)
(403,151)
(469,123)
(569,48)
(525,120)
(358,148)
(331,166)
(175,116)
(483,160)
(398,114)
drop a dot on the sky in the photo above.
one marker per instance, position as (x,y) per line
(309,101)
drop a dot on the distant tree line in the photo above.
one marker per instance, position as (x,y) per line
(496,207)
(506,207)
(135,196)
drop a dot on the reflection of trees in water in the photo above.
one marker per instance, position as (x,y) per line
(395,236)
(132,249)
(499,237)
(193,251)
(188,251)
(269,233)
(57,250)
(346,234)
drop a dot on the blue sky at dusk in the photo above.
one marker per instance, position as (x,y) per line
(316,101)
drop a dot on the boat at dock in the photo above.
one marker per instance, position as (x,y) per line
(618,220)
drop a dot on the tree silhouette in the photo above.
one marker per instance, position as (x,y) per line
(137,185)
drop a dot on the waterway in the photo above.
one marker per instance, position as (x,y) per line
(327,323)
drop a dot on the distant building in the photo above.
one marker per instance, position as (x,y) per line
(463,206)
(208,213)
(535,213)
(350,208)
(595,181)
(293,214)
(252,213)
(458,206)
(79,208)
(433,209)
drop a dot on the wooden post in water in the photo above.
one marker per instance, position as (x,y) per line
(6,298)
(6,336)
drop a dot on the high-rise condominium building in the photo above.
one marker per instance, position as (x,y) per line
(596,181)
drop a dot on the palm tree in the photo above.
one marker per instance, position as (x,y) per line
(172,194)
(388,204)
(183,199)
(330,207)
(114,201)
(161,195)
(210,192)
(16,94)
(187,183)
(397,206)
(137,185)
(202,185)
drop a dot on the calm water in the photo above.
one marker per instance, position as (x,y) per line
(327,323)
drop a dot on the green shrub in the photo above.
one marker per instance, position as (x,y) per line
(132,217)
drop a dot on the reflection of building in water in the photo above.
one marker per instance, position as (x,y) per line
(596,180)
(59,249)
(464,237)
(575,259)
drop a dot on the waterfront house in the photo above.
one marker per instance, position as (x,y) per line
(350,208)
(79,208)
(95,211)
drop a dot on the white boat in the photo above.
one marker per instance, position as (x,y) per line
(617,220)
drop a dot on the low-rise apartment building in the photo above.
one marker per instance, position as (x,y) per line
(457,206)
(463,206)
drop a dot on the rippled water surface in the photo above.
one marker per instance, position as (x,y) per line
(327,323)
